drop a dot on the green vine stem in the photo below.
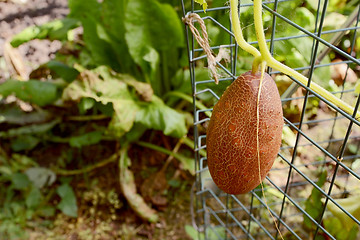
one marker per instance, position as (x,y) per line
(188,99)
(235,20)
(267,57)
(86,169)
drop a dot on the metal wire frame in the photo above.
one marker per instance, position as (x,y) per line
(223,216)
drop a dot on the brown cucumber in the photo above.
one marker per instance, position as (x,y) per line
(232,152)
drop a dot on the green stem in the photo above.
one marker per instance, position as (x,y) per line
(86,169)
(235,20)
(190,143)
(87,117)
(265,55)
(188,99)
(160,149)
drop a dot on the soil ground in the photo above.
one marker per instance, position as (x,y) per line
(16,16)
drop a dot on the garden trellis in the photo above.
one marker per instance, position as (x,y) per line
(313,188)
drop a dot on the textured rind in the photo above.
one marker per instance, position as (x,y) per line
(231,134)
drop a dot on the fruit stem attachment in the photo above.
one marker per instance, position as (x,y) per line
(265,55)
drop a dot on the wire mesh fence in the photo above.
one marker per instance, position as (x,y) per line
(313,188)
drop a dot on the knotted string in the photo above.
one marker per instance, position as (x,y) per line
(203,41)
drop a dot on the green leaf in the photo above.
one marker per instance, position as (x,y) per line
(64,71)
(156,115)
(193,233)
(135,133)
(114,21)
(56,29)
(20,181)
(5,170)
(80,9)
(357,88)
(86,139)
(216,232)
(313,204)
(105,90)
(296,53)
(144,90)
(335,228)
(114,24)
(152,23)
(304,17)
(86,104)
(25,142)
(151,27)
(31,129)
(350,204)
(101,50)
(33,91)
(104,47)
(202,3)
(14,115)
(34,198)
(46,211)
(68,200)
(106,109)
(40,177)
(124,117)
(174,183)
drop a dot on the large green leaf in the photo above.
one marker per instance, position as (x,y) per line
(80,9)
(113,17)
(107,89)
(89,13)
(151,27)
(104,87)
(33,91)
(150,23)
(57,29)
(159,116)
(99,43)
(104,31)
(113,14)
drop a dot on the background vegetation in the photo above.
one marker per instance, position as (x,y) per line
(98,142)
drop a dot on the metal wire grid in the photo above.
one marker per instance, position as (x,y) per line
(222,216)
